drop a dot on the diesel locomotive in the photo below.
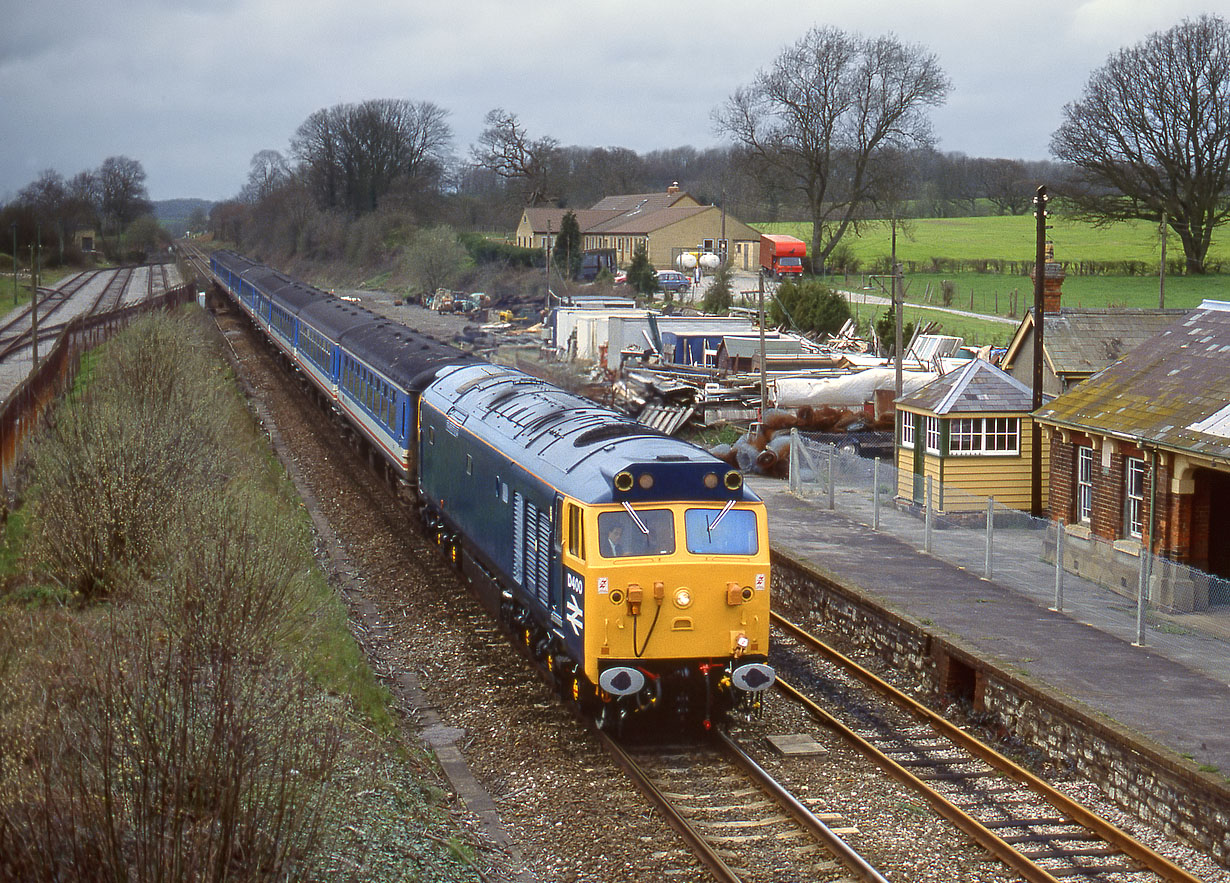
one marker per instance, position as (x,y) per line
(632,565)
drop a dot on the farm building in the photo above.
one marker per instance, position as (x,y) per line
(666,224)
(1161,412)
(971,432)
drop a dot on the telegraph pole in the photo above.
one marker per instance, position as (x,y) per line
(764,384)
(898,308)
(34,261)
(547,249)
(1161,286)
(1035,496)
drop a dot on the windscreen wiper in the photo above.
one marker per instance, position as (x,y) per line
(636,518)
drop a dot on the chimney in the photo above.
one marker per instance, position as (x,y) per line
(673,189)
(1052,282)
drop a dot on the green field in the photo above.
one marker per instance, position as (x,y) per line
(961,241)
(1007,238)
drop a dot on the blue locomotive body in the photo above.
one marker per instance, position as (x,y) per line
(525,485)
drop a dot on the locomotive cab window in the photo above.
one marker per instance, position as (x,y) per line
(719,532)
(651,532)
(576,532)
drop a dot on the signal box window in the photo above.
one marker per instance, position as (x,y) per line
(621,536)
(709,532)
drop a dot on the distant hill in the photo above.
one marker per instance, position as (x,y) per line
(173,214)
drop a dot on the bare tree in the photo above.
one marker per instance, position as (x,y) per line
(356,154)
(825,114)
(1151,135)
(266,172)
(505,148)
(1006,184)
(122,185)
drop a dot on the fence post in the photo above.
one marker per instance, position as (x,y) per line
(1060,533)
(927,520)
(832,476)
(1142,598)
(986,569)
(795,478)
(875,494)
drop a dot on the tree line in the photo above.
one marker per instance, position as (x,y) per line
(834,130)
(110,200)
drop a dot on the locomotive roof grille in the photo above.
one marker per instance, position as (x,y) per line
(610,431)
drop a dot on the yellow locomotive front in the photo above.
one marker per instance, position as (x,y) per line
(675,601)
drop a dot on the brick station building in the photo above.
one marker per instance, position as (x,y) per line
(1164,410)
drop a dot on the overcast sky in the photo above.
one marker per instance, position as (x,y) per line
(193,88)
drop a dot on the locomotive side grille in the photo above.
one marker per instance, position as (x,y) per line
(531,549)
(518,537)
(544,557)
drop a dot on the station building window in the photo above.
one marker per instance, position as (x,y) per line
(1134,478)
(1084,483)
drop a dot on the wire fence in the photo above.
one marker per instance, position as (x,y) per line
(1184,610)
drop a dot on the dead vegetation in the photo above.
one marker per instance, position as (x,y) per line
(163,708)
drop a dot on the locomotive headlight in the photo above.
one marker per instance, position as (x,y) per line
(683,597)
(711,480)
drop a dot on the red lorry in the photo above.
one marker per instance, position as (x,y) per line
(781,255)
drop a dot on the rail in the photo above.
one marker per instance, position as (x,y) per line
(999,847)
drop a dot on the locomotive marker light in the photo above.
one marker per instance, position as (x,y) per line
(683,597)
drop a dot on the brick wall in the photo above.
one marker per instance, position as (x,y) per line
(1106,520)
(1062,497)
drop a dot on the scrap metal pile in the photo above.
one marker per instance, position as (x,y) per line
(765,449)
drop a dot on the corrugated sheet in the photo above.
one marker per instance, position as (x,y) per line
(665,418)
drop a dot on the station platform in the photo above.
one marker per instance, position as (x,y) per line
(1175,693)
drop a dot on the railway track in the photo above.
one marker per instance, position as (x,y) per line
(112,295)
(1029,825)
(17,324)
(737,820)
(16,332)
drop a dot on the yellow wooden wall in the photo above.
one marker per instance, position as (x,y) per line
(1006,478)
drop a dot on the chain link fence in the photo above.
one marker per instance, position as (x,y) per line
(1185,611)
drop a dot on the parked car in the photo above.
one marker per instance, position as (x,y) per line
(673,280)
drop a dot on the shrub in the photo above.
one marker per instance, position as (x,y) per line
(809,306)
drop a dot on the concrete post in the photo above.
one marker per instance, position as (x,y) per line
(875,494)
(986,568)
(1142,598)
(832,476)
(927,520)
(1060,533)
(795,478)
